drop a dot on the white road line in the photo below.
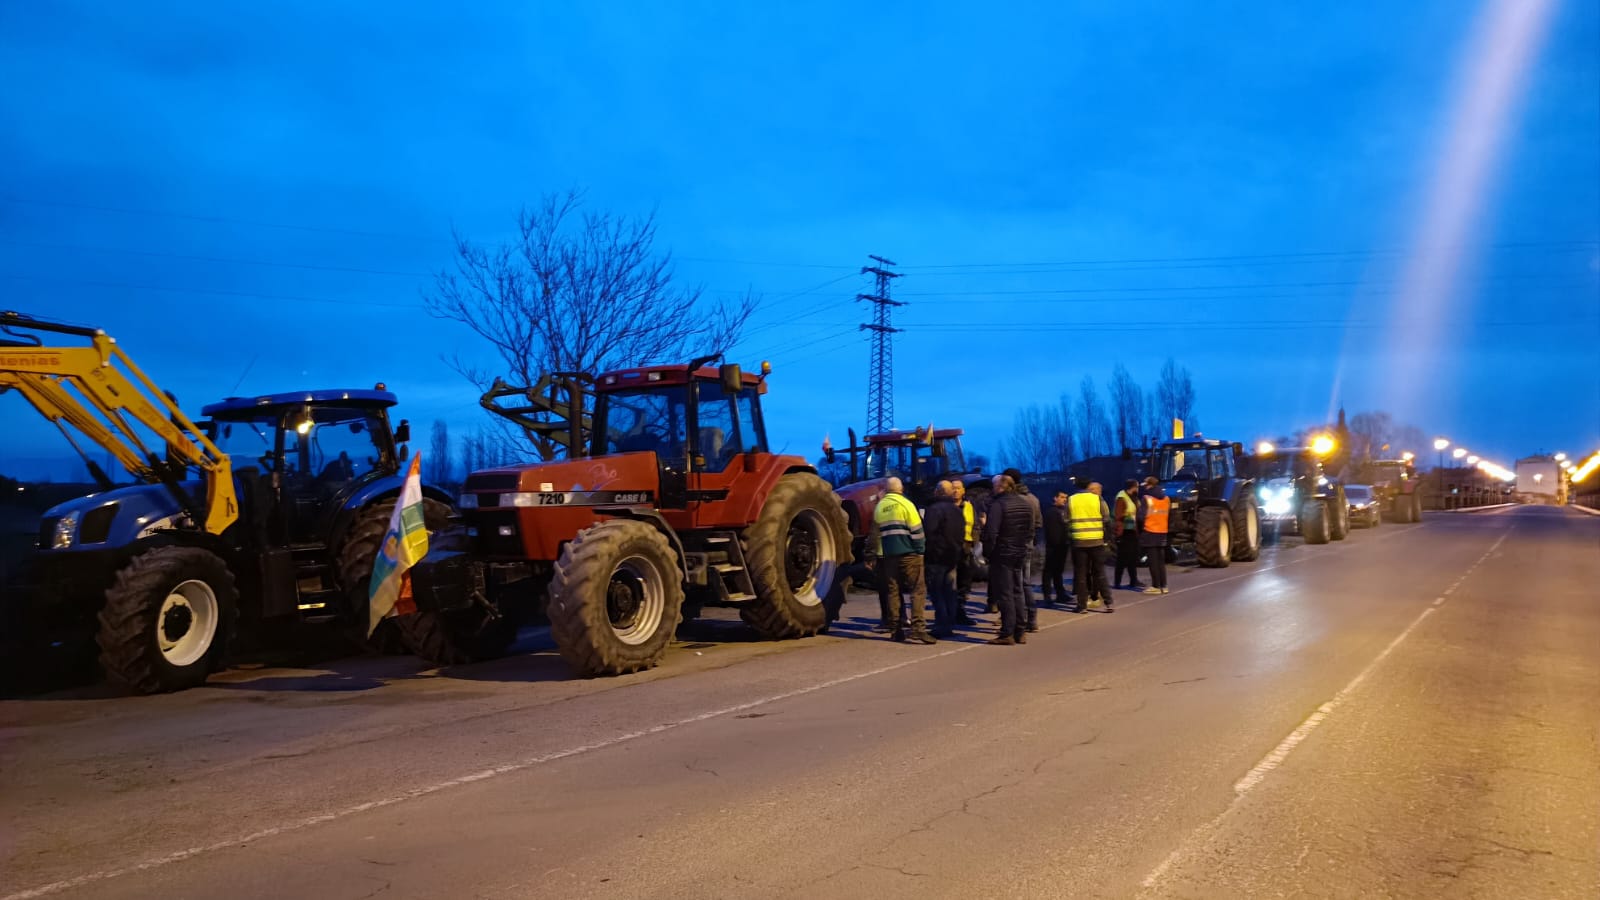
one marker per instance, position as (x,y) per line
(531,762)
(1281,752)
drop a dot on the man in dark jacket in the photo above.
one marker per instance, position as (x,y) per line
(1030,605)
(945,532)
(1007,540)
(1057,548)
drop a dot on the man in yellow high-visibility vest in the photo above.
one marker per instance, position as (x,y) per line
(1088,520)
(900,547)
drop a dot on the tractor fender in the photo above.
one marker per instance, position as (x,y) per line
(654,519)
(1235,488)
(370,492)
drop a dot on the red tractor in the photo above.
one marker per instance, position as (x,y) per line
(669,499)
(920,458)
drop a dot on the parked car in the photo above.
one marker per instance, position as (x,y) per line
(1365,507)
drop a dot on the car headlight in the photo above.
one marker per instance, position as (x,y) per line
(467,501)
(66,527)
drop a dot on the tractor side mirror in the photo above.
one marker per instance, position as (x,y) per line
(402,433)
(730,376)
(405,453)
(1238,450)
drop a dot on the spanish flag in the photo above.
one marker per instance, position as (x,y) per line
(403,546)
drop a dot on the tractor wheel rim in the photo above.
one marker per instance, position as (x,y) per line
(1224,540)
(636,600)
(809,559)
(1252,526)
(186,624)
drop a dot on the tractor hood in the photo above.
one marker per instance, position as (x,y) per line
(623,479)
(109,519)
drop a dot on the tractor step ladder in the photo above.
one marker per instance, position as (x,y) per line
(733,580)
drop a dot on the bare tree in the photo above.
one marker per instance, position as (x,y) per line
(579,291)
(1156,427)
(439,465)
(1041,439)
(1175,392)
(1092,427)
(1127,409)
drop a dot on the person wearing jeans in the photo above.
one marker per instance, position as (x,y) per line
(1007,540)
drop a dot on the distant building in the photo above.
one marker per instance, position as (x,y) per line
(1539,479)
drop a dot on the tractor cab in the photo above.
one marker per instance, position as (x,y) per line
(702,424)
(298,456)
(1195,467)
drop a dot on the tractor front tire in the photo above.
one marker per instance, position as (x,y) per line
(1338,515)
(1314,522)
(1414,507)
(355,560)
(616,598)
(167,619)
(1247,531)
(798,547)
(456,637)
(1213,537)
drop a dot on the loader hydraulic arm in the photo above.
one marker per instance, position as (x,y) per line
(97,392)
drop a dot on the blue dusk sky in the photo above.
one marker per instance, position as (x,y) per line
(1382,205)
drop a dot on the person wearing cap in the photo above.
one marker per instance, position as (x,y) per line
(1125,517)
(1153,532)
(1030,604)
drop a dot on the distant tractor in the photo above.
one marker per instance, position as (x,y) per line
(1395,487)
(920,458)
(669,500)
(1297,494)
(164,571)
(1214,509)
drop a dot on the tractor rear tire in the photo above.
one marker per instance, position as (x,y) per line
(1213,537)
(1314,522)
(1247,531)
(616,598)
(1338,515)
(1415,508)
(796,550)
(167,620)
(1402,509)
(355,559)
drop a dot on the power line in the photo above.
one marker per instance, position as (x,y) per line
(211,292)
(1165,288)
(158,254)
(1247,257)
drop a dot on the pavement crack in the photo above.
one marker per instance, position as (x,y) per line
(901,869)
(693,765)
(1186,680)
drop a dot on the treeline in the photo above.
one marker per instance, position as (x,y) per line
(1049,437)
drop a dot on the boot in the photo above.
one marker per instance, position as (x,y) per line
(921,636)
(1003,640)
(1020,638)
(898,636)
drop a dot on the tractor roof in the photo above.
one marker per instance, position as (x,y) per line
(245,406)
(623,379)
(1194,444)
(913,435)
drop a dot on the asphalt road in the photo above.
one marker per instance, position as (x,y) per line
(1414,712)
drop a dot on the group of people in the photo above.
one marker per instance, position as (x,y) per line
(930,555)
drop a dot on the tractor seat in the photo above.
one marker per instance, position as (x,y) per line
(711,443)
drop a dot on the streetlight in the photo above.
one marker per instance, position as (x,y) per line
(1408,456)
(1560,457)
(1459,452)
(1472,460)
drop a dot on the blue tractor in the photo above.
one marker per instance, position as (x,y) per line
(271,509)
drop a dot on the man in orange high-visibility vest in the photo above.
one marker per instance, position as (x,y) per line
(1153,533)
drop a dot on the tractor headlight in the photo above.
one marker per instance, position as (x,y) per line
(66,528)
(467,501)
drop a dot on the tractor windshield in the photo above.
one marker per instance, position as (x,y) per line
(650,419)
(1182,464)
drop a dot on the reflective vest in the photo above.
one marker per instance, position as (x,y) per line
(1155,514)
(899,526)
(1086,523)
(1124,502)
(966,516)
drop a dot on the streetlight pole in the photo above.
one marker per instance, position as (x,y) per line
(1440,444)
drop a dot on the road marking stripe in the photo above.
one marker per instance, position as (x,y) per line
(1275,758)
(531,762)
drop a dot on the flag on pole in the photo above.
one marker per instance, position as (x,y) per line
(403,546)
